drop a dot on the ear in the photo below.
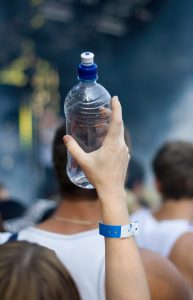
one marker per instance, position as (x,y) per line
(158,186)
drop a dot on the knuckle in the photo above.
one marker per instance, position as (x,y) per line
(123,146)
(119,123)
(127,150)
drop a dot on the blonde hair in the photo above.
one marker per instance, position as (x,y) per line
(32,272)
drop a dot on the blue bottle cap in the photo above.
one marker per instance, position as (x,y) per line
(87,70)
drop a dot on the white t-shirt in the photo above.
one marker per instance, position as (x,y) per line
(82,254)
(159,236)
(4,237)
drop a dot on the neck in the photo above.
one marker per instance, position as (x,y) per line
(88,82)
(75,209)
(79,208)
(172,209)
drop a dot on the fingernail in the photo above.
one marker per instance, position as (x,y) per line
(66,139)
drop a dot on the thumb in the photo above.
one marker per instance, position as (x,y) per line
(74,149)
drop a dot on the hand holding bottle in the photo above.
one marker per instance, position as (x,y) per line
(106,167)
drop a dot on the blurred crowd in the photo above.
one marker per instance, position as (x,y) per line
(67,223)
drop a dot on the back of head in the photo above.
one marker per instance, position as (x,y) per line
(136,174)
(67,188)
(173,168)
(11,209)
(32,272)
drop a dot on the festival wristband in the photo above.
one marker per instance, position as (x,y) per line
(118,231)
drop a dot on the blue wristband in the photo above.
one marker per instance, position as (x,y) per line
(118,231)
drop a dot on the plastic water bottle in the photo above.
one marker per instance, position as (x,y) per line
(88,112)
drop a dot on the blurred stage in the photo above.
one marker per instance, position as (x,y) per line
(144,53)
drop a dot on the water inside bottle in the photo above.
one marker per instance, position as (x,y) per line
(89,130)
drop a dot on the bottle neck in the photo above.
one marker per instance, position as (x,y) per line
(87,82)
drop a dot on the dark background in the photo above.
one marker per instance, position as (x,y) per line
(144,53)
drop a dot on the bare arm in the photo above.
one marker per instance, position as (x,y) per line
(182,256)
(165,281)
(106,170)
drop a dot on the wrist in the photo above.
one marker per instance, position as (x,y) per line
(112,195)
(114,208)
(115,214)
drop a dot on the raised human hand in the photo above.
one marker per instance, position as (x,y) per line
(106,167)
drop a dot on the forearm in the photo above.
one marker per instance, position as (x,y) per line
(125,277)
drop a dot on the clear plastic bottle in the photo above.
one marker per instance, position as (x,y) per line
(88,111)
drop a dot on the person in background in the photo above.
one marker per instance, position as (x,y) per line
(11,209)
(72,231)
(169,230)
(32,272)
(1,224)
(4,194)
(138,194)
(14,216)
(39,211)
(135,185)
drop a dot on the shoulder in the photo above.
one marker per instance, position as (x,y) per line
(159,236)
(4,237)
(165,281)
(180,255)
